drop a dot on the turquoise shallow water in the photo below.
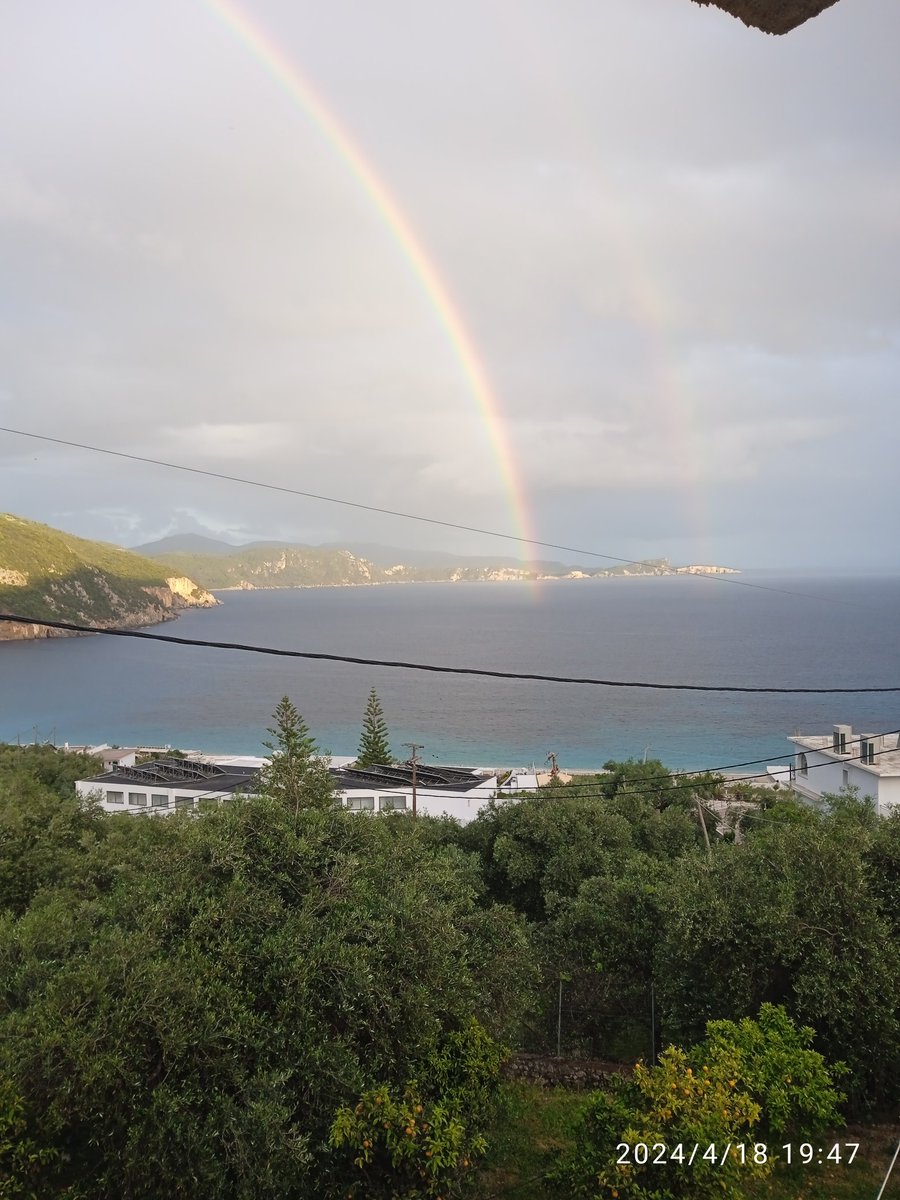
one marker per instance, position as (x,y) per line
(841,632)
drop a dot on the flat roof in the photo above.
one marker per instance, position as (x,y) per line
(391,776)
(887,751)
(185,775)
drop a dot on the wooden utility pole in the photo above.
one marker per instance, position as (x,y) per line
(414,748)
(703,824)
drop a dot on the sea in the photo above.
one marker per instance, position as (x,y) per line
(782,631)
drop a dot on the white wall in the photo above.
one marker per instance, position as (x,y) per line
(463,806)
(130,792)
(827,774)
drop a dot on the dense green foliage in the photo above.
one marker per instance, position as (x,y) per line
(285,999)
(187,1004)
(374,742)
(655,937)
(420,1141)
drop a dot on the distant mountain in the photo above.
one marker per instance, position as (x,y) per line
(381,556)
(184,543)
(47,573)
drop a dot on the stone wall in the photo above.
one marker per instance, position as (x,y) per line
(580,1074)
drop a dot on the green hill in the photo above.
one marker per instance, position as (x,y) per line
(47,573)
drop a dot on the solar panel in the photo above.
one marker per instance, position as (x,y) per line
(165,770)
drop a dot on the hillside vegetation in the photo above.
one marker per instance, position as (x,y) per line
(47,573)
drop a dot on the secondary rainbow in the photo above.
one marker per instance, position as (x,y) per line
(669,399)
(288,75)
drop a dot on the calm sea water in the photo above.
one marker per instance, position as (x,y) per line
(840,633)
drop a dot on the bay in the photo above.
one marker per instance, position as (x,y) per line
(829,632)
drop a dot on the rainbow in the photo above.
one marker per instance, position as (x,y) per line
(288,76)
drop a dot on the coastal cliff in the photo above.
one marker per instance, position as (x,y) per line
(47,573)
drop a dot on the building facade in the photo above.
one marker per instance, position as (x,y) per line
(167,785)
(865,762)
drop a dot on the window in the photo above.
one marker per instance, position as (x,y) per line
(115,797)
(803,764)
(846,780)
(393,803)
(868,751)
(361,803)
(184,801)
(138,798)
(159,801)
(205,803)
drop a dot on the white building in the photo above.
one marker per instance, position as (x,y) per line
(168,785)
(844,759)
(110,756)
(459,792)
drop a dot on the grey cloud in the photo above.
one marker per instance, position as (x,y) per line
(651,220)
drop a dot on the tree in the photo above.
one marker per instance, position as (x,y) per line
(191,1017)
(296,775)
(374,744)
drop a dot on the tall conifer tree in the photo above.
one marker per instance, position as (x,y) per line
(296,774)
(374,743)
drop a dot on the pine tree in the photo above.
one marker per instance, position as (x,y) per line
(374,743)
(296,773)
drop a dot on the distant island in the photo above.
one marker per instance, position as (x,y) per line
(45,572)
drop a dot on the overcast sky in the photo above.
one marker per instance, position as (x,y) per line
(674,241)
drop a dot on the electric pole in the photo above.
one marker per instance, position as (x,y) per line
(414,748)
(703,825)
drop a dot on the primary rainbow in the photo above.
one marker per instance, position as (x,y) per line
(287,74)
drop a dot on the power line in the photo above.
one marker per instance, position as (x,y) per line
(390,512)
(659,786)
(655,785)
(482,672)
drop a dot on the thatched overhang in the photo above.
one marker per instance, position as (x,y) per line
(772,16)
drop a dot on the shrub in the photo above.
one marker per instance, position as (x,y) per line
(743,1083)
(421,1141)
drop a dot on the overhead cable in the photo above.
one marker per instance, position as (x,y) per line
(481,672)
(661,787)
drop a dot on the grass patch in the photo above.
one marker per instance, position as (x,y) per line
(858,1181)
(532,1126)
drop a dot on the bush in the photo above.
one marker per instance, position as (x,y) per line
(742,1084)
(421,1141)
